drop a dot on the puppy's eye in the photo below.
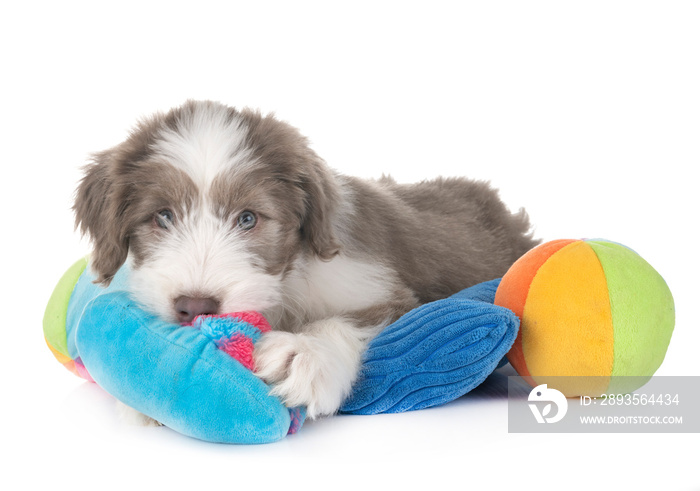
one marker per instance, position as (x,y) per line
(164,218)
(247,220)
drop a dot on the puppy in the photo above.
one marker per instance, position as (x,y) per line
(220,210)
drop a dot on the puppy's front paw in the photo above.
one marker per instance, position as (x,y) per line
(132,417)
(303,372)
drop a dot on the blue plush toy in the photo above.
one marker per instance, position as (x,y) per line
(198,381)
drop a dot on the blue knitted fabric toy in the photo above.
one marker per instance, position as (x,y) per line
(435,353)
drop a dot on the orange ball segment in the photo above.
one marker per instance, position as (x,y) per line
(595,318)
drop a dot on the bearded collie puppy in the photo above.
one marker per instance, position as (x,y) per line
(224,210)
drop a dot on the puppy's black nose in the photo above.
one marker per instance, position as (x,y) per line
(187,308)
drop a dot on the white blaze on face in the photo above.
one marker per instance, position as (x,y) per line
(207,142)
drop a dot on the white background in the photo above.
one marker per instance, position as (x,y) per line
(585,113)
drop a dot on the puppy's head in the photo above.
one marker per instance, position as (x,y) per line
(212,205)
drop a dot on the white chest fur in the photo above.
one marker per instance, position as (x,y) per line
(318,289)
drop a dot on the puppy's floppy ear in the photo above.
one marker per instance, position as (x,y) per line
(285,154)
(98,214)
(321,198)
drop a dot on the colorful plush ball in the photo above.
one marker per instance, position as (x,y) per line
(596,318)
